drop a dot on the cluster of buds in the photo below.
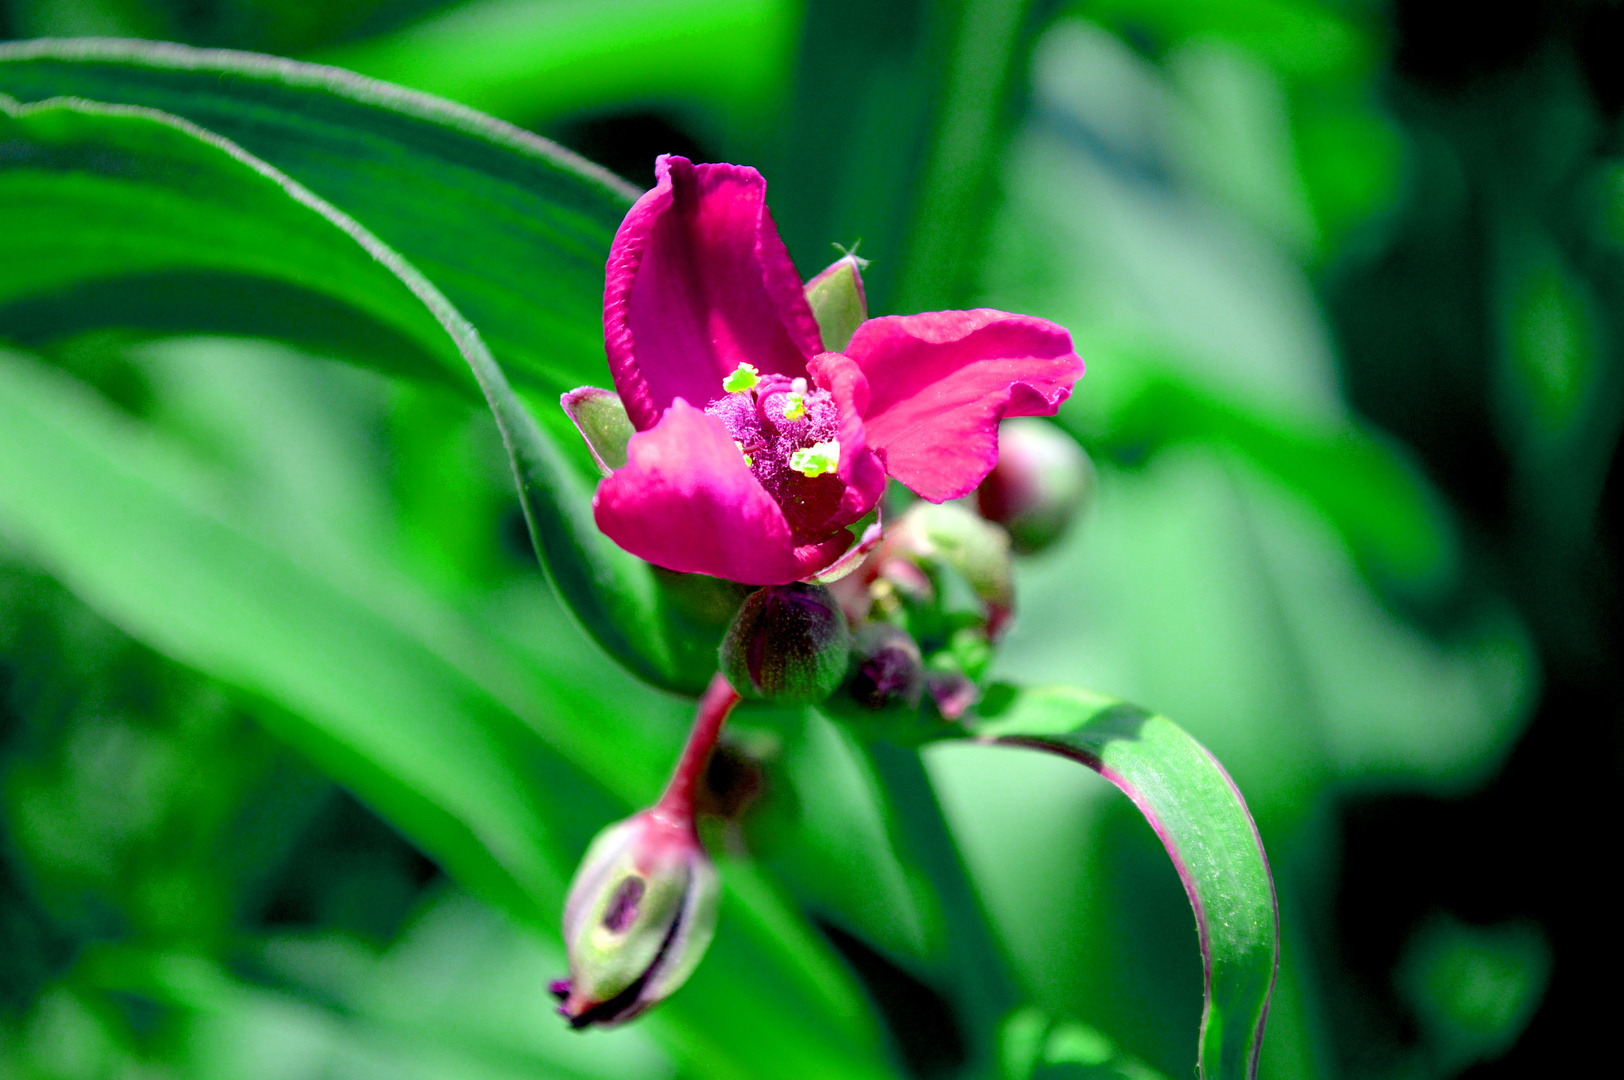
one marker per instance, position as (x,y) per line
(912,624)
(927,606)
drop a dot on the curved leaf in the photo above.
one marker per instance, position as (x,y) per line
(93,193)
(498,773)
(1203,822)
(513,229)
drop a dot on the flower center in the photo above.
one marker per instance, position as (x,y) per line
(789,434)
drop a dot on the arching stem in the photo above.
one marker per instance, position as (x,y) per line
(676,805)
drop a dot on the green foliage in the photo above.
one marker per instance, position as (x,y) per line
(1199,815)
(268,636)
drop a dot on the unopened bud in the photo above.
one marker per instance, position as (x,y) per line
(955,537)
(886,667)
(1040,484)
(788,642)
(837,301)
(640,914)
(953,692)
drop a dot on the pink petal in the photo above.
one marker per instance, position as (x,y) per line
(698,282)
(686,501)
(939,383)
(860,470)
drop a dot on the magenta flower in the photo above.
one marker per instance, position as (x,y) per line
(755,448)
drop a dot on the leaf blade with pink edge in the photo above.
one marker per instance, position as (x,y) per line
(1203,822)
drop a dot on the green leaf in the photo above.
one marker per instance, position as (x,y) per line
(93,192)
(120,523)
(161,195)
(1203,822)
(496,771)
(512,229)
(1377,500)
(534,60)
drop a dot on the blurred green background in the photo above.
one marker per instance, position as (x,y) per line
(1349,279)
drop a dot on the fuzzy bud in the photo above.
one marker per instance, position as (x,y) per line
(640,914)
(886,667)
(1040,484)
(788,643)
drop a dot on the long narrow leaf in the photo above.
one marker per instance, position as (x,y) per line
(1202,820)
(434,745)
(425,734)
(511,228)
(91,191)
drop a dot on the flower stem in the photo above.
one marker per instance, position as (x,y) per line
(676,805)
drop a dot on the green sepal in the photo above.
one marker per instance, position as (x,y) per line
(837,301)
(600,417)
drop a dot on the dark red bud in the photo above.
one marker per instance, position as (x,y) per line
(788,642)
(887,668)
(1040,484)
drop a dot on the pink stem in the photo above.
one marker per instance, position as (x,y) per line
(676,805)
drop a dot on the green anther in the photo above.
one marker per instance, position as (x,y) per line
(744,377)
(794,407)
(824,457)
(747,459)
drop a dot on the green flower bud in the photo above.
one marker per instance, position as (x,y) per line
(976,550)
(1041,483)
(788,642)
(640,914)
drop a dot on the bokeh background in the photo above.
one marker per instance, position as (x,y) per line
(1349,279)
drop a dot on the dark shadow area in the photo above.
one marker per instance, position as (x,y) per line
(627,143)
(349,870)
(1513,120)
(919,1020)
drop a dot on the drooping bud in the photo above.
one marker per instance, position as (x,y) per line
(788,642)
(886,667)
(640,914)
(1040,484)
(838,302)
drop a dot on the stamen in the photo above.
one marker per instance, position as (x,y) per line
(748,460)
(794,406)
(815,460)
(744,377)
